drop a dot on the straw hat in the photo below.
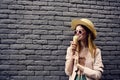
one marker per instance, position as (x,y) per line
(86,22)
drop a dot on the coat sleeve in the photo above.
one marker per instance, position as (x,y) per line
(97,70)
(69,62)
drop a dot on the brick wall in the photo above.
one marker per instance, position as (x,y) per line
(34,35)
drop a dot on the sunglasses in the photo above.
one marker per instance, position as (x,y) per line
(75,32)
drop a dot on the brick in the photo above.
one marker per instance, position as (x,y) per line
(116,30)
(3,26)
(15,36)
(55,32)
(8,21)
(3,16)
(35,68)
(34,57)
(51,68)
(16,7)
(25,73)
(24,2)
(15,16)
(19,77)
(61,9)
(46,8)
(42,73)
(62,47)
(19,57)
(54,42)
(42,3)
(4,57)
(47,17)
(4,46)
(26,62)
(29,7)
(97,7)
(10,62)
(61,0)
(56,23)
(8,52)
(69,14)
(4,67)
(8,41)
(7,31)
(6,11)
(57,63)
(112,43)
(25,22)
(17,46)
(51,78)
(118,47)
(68,33)
(34,77)
(3,36)
(43,52)
(58,52)
(49,47)
(24,41)
(32,37)
(8,1)
(33,17)
(62,37)
(3,6)
(109,48)
(17,67)
(42,63)
(76,1)
(39,22)
(49,37)
(21,31)
(27,52)
(83,6)
(66,43)
(40,42)
(11,73)
(12,26)
(32,46)
(57,73)
(89,2)
(3,77)
(40,32)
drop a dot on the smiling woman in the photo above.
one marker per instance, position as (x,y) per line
(83,58)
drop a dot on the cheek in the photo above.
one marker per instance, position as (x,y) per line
(83,36)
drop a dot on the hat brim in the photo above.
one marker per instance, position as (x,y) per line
(76,22)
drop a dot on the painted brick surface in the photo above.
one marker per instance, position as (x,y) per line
(34,36)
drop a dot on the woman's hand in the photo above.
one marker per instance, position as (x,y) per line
(73,46)
(80,67)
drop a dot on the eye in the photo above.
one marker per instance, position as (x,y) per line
(75,32)
(80,32)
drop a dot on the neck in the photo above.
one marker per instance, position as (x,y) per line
(83,44)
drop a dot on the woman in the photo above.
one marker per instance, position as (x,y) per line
(83,58)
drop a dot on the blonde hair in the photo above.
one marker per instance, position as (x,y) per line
(90,42)
(91,46)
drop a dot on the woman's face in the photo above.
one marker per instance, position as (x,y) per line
(80,31)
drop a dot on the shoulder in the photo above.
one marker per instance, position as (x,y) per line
(98,51)
(69,48)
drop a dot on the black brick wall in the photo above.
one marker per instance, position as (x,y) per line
(34,35)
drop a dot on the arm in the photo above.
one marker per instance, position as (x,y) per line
(97,70)
(69,62)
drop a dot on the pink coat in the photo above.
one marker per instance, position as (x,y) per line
(93,67)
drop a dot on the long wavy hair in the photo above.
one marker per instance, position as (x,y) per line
(89,42)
